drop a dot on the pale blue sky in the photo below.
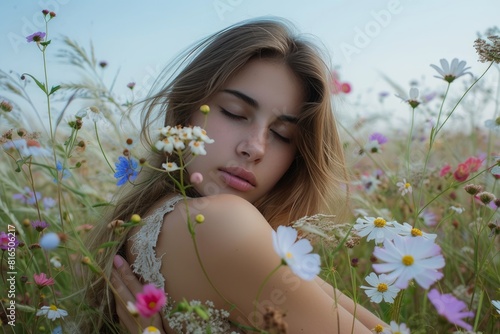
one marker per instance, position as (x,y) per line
(364,38)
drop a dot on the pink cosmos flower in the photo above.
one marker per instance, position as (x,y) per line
(42,280)
(445,170)
(7,241)
(453,309)
(462,172)
(150,301)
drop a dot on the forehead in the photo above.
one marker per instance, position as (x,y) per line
(271,84)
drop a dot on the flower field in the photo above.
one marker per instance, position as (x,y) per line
(421,248)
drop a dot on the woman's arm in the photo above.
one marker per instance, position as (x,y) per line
(235,248)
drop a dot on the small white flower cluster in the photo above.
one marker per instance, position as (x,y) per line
(178,138)
(192,323)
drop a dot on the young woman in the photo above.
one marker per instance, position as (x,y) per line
(276,157)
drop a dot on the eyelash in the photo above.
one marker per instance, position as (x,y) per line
(237,117)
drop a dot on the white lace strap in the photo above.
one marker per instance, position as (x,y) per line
(146,263)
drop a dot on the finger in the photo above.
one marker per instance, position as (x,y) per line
(127,277)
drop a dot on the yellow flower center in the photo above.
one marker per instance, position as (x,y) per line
(151,305)
(416,232)
(378,329)
(407,260)
(382,287)
(53,307)
(152,329)
(407,185)
(379,222)
(289,255)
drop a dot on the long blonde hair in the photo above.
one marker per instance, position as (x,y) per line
(315,182)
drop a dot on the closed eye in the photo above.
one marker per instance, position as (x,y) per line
(280,137)
(230,115)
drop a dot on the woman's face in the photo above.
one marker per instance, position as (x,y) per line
(253,122)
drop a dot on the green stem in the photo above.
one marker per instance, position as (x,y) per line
(261,287)
(100,146)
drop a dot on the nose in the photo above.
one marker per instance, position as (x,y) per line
(253,145)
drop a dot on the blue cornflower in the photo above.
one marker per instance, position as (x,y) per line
(64,171)
(126,170)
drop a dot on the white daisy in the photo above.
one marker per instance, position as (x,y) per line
(450,72)
(52,312)
(404,187)
(381,288)
(375,228)
(406,230)
(151,330)
(410,258)
(297,255)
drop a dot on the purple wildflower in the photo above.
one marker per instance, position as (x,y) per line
(39,225)
(28,197)
(36,37)
(380,138)
(8,240)
(453,309)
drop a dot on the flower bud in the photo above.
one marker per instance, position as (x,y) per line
(103,64)
(196,178)
(45,11)
(199,218)
(485,197)
(472,189)
(135,219)
(6,106)
(52,15)
(129,141)
(205,109)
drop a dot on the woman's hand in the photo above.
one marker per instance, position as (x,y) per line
(126,286)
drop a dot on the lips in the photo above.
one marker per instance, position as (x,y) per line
(238,178)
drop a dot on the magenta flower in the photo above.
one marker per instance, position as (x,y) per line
(150,301)
(453,309)
(42,280)
(8,240)
(36,37)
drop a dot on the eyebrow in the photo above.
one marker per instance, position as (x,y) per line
(253,103)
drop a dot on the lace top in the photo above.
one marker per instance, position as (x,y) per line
(146,263)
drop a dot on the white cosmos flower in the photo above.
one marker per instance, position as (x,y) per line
(406,230)
(52,312)
(377,229)
(412,98)
(398,328)
(297,255)
(449,72)
(405,259)
(381,288)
